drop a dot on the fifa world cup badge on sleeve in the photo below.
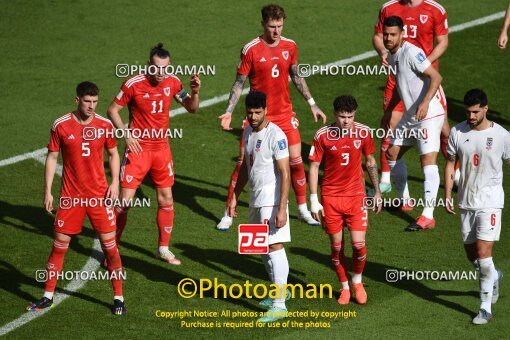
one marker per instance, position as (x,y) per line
(253,239)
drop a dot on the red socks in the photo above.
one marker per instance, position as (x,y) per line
(338,258)
(114,264)
(165,223)
(359,257)
(121,217)
(298,179)
(55,264)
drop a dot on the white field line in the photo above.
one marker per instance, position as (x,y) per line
(92,263)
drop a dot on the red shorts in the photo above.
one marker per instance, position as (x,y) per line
(158,162)
(392,100)
(70,221)
(289,126)
(344,210)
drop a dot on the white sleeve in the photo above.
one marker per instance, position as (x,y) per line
(451,148)
(280,146)
(418,59)
(506,151)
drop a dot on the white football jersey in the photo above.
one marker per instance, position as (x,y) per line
(412,85)
(481,155)
(261,150)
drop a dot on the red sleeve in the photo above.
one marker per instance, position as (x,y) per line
(316,151)
(125,95)
(246,62)
(440,23)
(111,141)
(54,144)
(368,145)
(293,60)
(380,21)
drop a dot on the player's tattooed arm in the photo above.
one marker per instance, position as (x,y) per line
(302,88)
(235,94)
(371,165)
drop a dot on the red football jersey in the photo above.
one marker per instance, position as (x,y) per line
(82,151)
(421,23)
(149,106)
(343,171)
(268,70)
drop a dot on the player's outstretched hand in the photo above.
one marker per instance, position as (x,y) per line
(194,84)
(232,205)
(450,208)
(503,39)
(48,202)
(422,110)
(281,218)
(133,145)
(316,112)
(377,203)
(226,118)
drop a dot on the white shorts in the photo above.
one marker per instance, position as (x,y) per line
(425,135)
(267,215)
(484,225)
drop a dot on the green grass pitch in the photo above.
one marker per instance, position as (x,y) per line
(48,47)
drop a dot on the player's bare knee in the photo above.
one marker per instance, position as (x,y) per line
(165,198)
(428,159)
(356,246)
(275,247)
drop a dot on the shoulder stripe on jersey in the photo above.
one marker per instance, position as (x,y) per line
(435,4)
(103,118)
(362,126)
(322,129)
(61,119)
(135,79)
(287,39)
(249,45)
(388,4)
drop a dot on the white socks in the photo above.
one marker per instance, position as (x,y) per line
(268,264)
(399,176)
(430,188)
(121,298)
(280,274)
(302,208)
(385,177)
(488,274)
(356,278)
(48,295)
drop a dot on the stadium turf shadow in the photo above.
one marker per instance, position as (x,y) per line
(377,272)
(163,273)
(249,266)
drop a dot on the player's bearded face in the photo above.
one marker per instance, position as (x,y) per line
(161,65)
(86,105)
(392,37)
(476,115)
(272,29)
(256,116)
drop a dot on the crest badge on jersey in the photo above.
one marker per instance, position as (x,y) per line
(285,55)
(489,143)
(423,18)
(167,91)
(282,144)
(257,146)
(421,57)
(60,223)
(357,143)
